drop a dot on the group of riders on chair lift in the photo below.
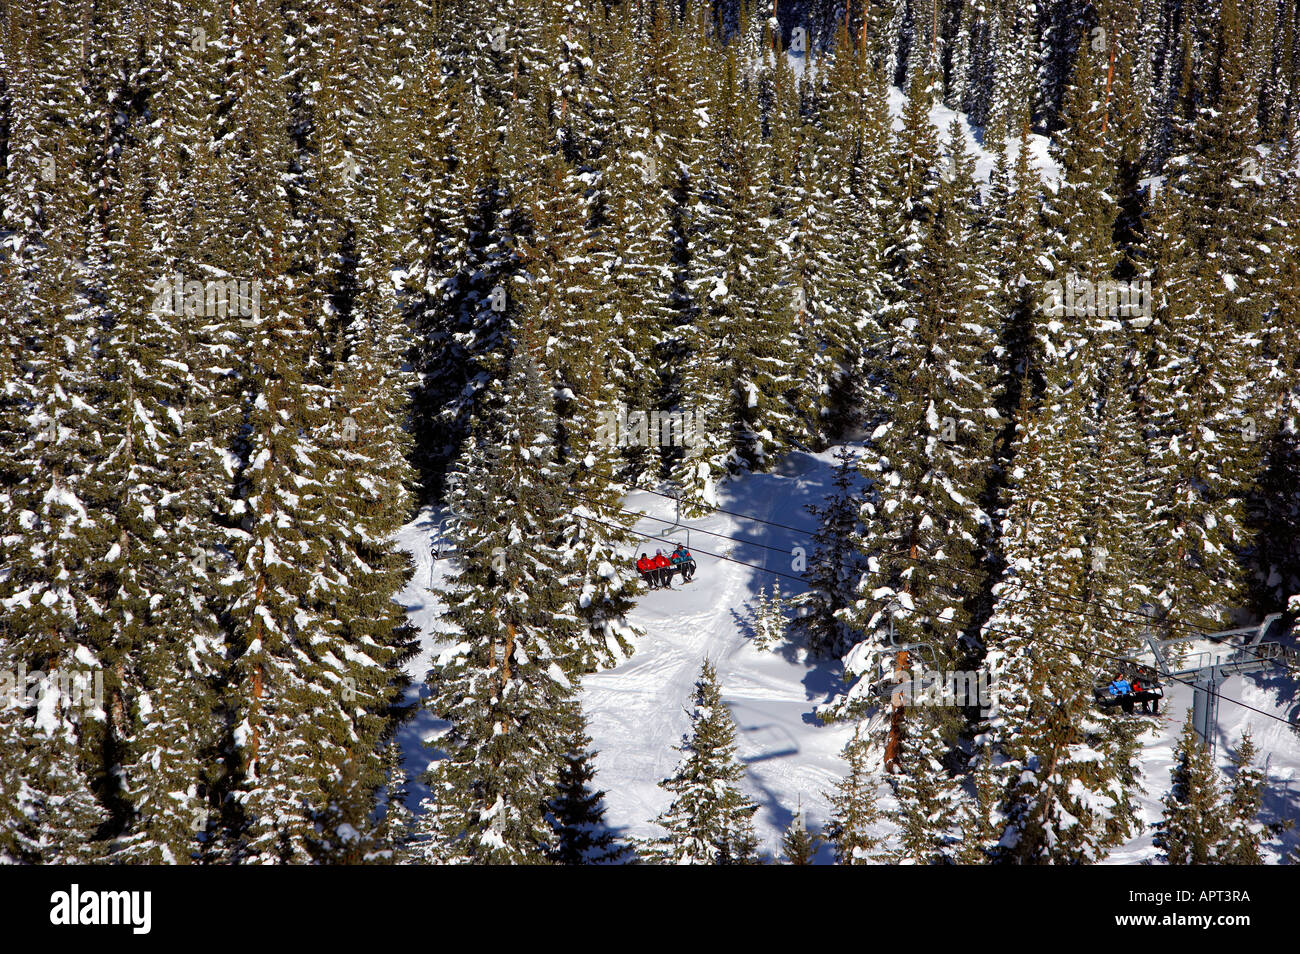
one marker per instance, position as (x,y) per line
(658,570)
(1123,692)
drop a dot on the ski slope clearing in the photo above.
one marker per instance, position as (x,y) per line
(637,709)
(942,117)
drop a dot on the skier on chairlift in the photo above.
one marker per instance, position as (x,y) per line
(664,568)
(682,560)
(649,572)
(1122,690)
(1144,691)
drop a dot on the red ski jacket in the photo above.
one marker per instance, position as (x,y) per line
(662,561)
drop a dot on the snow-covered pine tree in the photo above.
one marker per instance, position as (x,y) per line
(456,262)
(834,566)
(681,69)
(1243,833)
(1083,211)
(710,821)
(1259,24)
(1062,25)
(1192,825)
(912,176)
(1063,774)
(366,491)
(170,362)
(978,820)
(798,844)
(771,618)
(801,205)
(397,824)
(165,648)
(855,816)
(283,704)
(1091,336)
(559,288)
(930,461)
(1206,266)
(848,157)
(926,790)
(1015,224)
(578,809)
(740,343)
(503,686)
(636,247)
(1275,509)
(1161,36)
(55,531)
(579,95)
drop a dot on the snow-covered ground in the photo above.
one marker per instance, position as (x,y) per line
(637,709)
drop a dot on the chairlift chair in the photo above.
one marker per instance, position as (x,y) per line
(1146,676)
(440,546)
(886,684)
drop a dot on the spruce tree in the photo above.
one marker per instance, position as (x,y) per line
(578,810)
(771,620)
(833,565)
(855,814)
(1192,826)
(929,466)
(560,290)
(1207,270)
(56,530)
(1064,773)
(799,845)
(631,210)
(710,820)
(503,687)
(1243,832)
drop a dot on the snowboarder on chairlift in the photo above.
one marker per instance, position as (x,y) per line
(664,567)
(683,561)
(1122,690)
(1143,692)
(649,572)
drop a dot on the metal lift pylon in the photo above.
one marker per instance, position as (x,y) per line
(1230,652)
